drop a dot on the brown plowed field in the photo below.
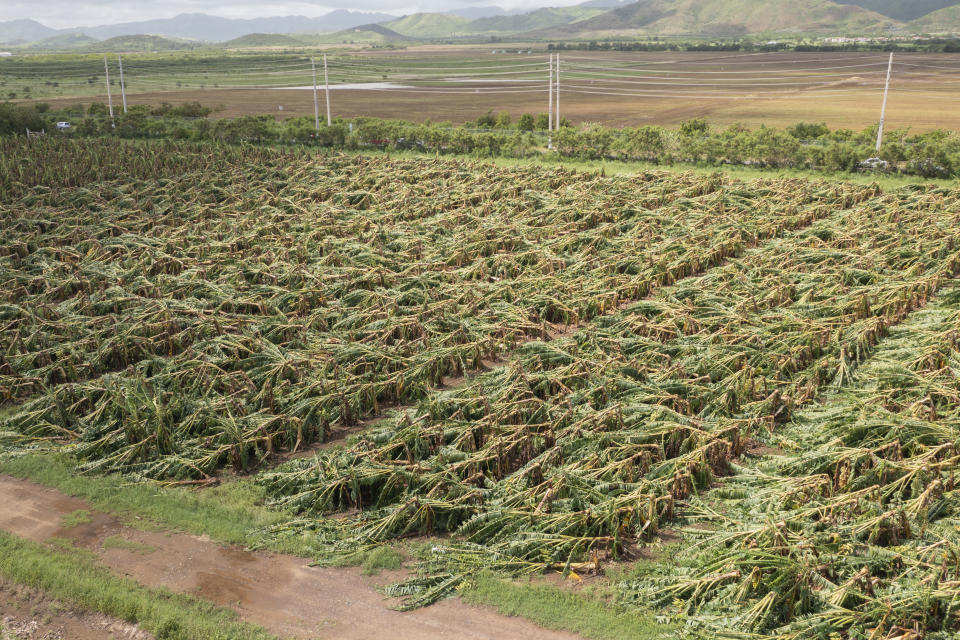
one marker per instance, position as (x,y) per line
(922,97)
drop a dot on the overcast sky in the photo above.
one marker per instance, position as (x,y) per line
(71,13)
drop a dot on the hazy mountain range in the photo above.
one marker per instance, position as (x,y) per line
(593,18)
(198,26)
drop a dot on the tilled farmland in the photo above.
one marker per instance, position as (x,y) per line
(542,368)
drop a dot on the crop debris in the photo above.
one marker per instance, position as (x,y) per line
(620,344)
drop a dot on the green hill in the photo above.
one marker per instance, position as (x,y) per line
(726,18)
(130,44)
(539,19)
(64,41)
(364,34)
(444,25)
(429,25)
(902,9)
(942,21)
(263,40)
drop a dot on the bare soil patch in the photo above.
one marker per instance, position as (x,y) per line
(279,592)
(29,614)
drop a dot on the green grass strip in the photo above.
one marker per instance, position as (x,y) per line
(556,608)
(75,577)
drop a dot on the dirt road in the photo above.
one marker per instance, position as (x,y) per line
(278,592)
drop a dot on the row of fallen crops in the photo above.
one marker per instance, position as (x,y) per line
(576,361)
(170,327)
(855,524)
(581,446)
(28,163)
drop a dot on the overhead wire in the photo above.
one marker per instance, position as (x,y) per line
(484,91)
(484,74)
(718,96)
(708,60)
(602,76)
(753,72)
(713,84)
(400,66)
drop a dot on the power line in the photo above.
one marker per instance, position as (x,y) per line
(719,95)
(463,91)
(925,66)
(702,61)
(714,84)
(753,72)
(672,79)
(452,72)
(526,88)
(400,66)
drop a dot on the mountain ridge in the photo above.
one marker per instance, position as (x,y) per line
(589,19)
(900,10)
(24,30)
(429,25)
(946,20)
(200,26)
(728,18)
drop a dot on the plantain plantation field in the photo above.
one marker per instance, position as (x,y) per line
(542,368)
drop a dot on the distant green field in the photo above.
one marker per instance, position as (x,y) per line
(59,75)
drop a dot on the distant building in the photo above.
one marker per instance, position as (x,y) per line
(843,40)
(5,54)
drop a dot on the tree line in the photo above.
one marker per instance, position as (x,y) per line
(813,146)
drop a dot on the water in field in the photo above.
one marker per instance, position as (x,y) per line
(356,86)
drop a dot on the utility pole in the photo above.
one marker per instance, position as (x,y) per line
(106,70)
(123,87)
(550,107)
(316,102)
(326,84)
(556,119)
(883,110)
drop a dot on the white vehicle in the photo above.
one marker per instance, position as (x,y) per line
(875,163)
(63,126)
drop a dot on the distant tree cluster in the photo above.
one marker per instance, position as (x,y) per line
(804,145)
(526,122)
(927,45)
